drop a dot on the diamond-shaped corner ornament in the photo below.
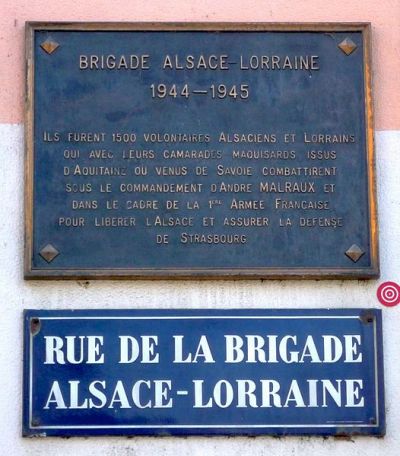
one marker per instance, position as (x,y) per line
(49,252)
(354,253)
(347,46)
(49,45)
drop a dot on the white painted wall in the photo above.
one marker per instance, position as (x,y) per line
(16,294)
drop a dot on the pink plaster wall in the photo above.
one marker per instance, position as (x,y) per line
(384,16)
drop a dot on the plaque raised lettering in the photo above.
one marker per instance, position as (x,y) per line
(199,150)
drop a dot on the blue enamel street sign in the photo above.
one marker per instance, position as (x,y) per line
(182,372)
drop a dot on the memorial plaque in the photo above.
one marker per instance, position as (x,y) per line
(199,150)
(162,372)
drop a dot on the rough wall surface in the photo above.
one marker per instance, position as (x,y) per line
(17,294)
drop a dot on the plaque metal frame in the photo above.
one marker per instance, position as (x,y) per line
(200,273)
